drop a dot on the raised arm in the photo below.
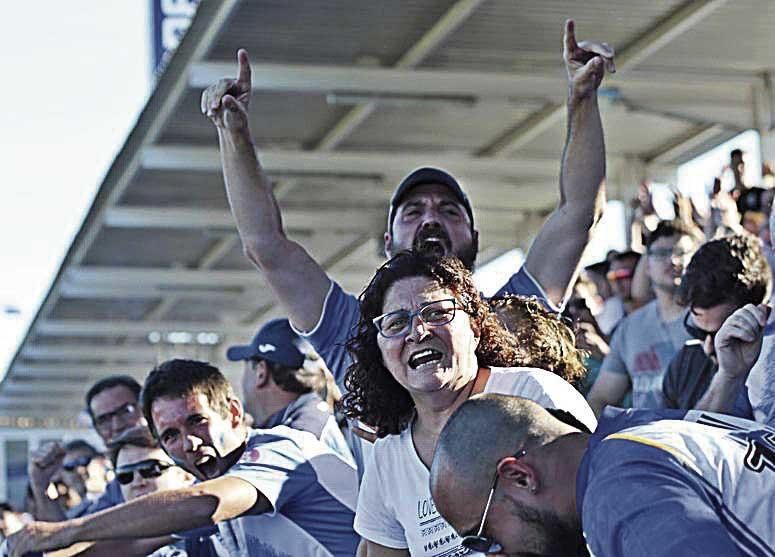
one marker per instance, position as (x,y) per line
(157,514)
(554,257)
(297,280)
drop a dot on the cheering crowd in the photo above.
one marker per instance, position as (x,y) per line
(423,419)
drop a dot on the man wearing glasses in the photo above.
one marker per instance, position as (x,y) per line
(647,339)
(646,483)
(113,404)
(725,284)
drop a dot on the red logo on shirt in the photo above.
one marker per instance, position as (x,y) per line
(253,455)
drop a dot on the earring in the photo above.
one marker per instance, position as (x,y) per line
(533,489)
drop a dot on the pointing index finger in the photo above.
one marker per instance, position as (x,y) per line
(570,36)
(244,67)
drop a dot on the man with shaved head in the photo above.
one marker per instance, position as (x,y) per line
(515,479)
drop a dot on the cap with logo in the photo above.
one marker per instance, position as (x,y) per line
(275,342)
(428,175)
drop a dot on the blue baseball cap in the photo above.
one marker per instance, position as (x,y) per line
(428,175)
(275,342)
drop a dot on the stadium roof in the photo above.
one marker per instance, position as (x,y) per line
(348,97)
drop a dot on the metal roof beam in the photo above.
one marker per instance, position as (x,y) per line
(497,222)
(445,85)
(188,218)
(188,158)
(111,327)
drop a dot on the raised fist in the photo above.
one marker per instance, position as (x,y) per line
(226,101)
(586,63)
(43,463)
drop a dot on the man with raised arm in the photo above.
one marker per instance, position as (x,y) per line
(428,210)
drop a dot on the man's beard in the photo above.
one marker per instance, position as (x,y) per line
(556,537)
(434,241)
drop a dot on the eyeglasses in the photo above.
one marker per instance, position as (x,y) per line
(396,323)
(103,421)
(71,465)
(478,542)
(695,331)
(146,468)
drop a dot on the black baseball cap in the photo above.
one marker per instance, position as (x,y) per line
(275,342)
(428,175)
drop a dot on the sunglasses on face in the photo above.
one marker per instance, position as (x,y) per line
(478,542)
(71,465)
(103,421)
(146,468)
(695,331)
(397,323)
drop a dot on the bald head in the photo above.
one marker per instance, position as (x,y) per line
(484,430)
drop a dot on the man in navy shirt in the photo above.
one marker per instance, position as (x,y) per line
(428,210)
(646,483)
(268,492)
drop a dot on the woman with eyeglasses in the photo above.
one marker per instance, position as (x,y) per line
(426,342)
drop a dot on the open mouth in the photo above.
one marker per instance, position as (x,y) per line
(434,242)
(424,357)
(207,466)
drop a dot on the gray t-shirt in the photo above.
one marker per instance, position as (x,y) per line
(641,348)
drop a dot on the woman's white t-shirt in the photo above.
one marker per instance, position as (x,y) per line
(395,508)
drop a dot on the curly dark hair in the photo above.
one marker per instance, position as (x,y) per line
(373,395)
(549,342)
(732,269)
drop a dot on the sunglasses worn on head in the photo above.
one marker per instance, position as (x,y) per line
(478,542)
(71,465)
(146,468)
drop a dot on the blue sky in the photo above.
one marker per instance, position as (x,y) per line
(75,77)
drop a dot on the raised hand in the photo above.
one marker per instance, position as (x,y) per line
(44,463)
(226,102)
(586,63)
(739,340)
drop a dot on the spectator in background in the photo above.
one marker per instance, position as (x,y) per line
(621,270)
(549,343)
(723,276)
(647,339)
(85,471)
(280,385)
(645,484)
(590,340)
(114,407)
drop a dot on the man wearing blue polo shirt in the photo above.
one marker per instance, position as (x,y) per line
(269,492)
(280,384)
(646,483)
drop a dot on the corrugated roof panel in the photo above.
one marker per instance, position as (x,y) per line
(436,127)
(738,36)
(509,35)
(132,247)
(79,308)
(331,32)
